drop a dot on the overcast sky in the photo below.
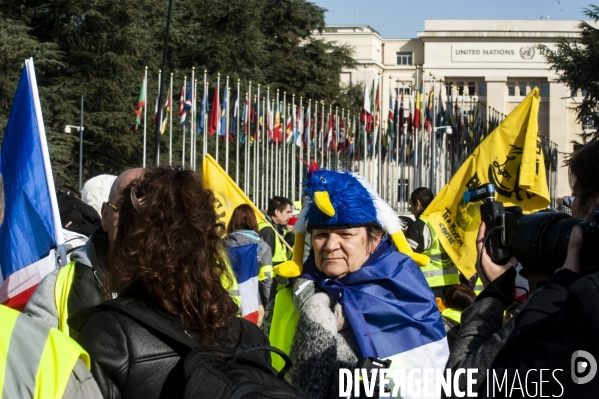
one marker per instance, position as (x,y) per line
(403,18)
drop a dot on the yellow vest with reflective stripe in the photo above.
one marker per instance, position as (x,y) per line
(441,270)
(35,361)
(282,326)
(279,253)
(478,286)
(64,281)
(452,314)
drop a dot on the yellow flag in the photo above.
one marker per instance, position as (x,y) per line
(511,159)
(228,195)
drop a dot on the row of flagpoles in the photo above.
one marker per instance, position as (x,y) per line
(423,141)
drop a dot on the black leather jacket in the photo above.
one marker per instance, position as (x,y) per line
(132,361)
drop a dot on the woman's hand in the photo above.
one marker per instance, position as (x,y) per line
(491,270)
(574,245)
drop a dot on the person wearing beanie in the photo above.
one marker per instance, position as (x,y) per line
(356,296)
(96,190)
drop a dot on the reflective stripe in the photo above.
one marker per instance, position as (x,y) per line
(413,244)
(440,272)
(234,292)
(452,314)
(265,272)
(440,258)
(22,366)
(62,289)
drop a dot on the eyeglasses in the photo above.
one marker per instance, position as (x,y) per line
(113,207)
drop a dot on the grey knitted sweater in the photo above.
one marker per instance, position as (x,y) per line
(323,342)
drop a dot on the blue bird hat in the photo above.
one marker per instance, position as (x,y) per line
(342,199)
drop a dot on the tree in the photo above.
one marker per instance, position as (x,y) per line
(576,64)
(99,48)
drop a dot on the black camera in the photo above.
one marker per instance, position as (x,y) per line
(539,241)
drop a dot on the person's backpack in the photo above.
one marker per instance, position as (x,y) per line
(233,373)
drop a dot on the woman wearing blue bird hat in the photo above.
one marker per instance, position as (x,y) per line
(356,298)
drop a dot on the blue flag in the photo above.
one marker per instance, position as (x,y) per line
(31,227)
(204,108)
(390,308)
(223,113)
(187,105)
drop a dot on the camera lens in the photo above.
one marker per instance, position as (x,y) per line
(541,244)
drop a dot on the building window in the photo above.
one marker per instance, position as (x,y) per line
(573,92)
(471,88)
(482,89)
(544,89)
(448,89)
(511,89)
(522,89)
(584,92)
(404,58)
(533,85)
(460,88)
(407,91)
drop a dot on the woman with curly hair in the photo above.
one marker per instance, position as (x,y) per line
(168,267)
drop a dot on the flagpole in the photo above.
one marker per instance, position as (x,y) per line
(193,125)
(301,154)
(293,129)
(277,148)
(192,84)
(170,130)
(205,119)
(379,183)
(248,134)
(217,133)
(227,126)
(237,109)
(264,159)
(184,137)
(161,84)
(158,115)
(145,114)
(256,152)
(322,133)
(365,123)
(284,143)
(267,156)
(273,148)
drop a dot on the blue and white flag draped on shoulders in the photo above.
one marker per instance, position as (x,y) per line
(391,310)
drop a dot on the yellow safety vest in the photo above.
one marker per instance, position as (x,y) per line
(478,286)
(283,325)
(35,361)
(279,255)
(452,314)
(440,271)
(64,281)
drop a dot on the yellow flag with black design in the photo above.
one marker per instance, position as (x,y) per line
(511,159)
(228,195)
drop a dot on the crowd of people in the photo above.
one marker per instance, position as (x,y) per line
(150,302)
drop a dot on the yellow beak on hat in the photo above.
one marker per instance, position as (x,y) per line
(323,202)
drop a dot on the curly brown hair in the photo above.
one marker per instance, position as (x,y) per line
(167,243)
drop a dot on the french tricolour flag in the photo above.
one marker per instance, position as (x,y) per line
(31,229)
(244,262)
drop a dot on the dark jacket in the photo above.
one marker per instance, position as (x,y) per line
(559,320)
(543,335)
(130,360)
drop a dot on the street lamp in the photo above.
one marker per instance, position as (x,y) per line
(68,129)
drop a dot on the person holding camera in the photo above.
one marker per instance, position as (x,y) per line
(555,328)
